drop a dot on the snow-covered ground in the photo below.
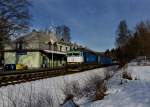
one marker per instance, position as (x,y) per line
(46,92)
(49,92)
(127,93)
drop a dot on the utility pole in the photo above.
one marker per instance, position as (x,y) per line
(52,42)
(52,39)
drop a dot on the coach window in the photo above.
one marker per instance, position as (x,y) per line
(81,53)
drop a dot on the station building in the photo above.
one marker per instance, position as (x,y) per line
(38,49)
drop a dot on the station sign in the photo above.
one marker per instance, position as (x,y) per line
(21,52)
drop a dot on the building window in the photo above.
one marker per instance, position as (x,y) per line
(19,44)
(55,47)
(50,45)
(60,48)
(66,48)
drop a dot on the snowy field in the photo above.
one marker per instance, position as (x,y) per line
(127,93)
(46,92)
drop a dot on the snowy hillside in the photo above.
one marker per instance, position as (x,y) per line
(127,93)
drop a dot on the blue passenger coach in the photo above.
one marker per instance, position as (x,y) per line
(104,60)
(89,57)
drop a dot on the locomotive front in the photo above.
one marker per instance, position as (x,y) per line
(75,57)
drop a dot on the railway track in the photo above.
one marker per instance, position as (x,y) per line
(16,77)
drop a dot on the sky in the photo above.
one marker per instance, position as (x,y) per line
(93,23)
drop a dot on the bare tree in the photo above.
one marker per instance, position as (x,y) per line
(14,19)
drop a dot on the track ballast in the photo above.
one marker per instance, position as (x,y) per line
(15,77)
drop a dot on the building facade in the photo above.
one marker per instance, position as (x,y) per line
(38,49)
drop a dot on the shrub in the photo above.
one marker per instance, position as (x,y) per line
(95,88)
(126,75)
(70,91)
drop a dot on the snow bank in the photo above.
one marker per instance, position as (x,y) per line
(127,93)
(140,72)
(49,90)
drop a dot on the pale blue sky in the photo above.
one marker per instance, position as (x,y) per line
(93,23)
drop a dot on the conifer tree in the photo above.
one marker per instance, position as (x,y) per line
(123,34)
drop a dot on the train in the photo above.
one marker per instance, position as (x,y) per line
(84,59)
(87,57)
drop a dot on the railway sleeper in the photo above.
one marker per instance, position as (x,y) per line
(4,79)
(18,76)
(36,74)
(25,76)
(31,75)
(12,78)
(40,74)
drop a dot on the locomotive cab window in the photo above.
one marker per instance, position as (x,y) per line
(69,54)
(76,54)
